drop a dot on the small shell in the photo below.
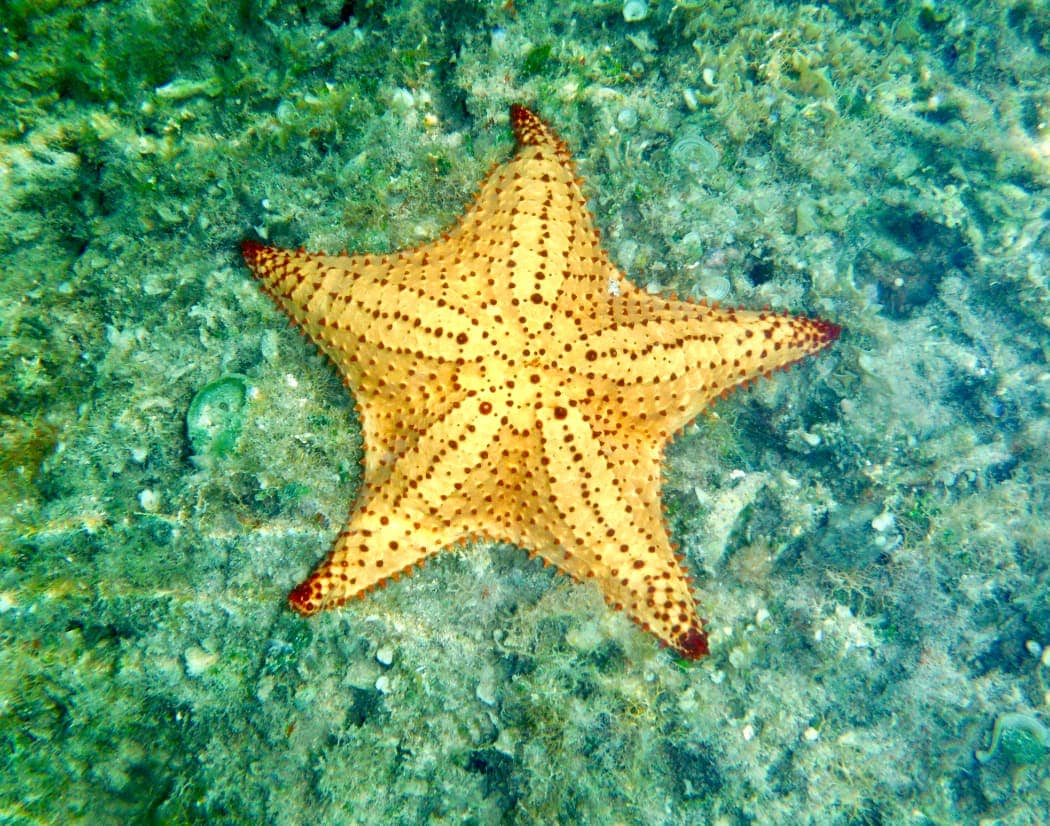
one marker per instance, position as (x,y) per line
(627,118)
(216,416)
(635,11)
(694,151)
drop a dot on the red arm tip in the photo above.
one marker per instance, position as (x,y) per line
(693,644)
(828,332)
(301,599)
(250,249)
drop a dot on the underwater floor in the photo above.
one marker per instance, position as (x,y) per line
(869,532)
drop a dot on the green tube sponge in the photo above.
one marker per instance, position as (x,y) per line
(216,417)
(1021,738)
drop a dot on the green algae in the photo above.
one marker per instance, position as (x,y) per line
(536,60)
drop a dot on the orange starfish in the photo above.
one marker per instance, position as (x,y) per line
(513,384)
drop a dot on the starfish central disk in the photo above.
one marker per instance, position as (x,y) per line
(514,385)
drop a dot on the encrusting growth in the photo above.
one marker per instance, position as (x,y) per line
(507,392)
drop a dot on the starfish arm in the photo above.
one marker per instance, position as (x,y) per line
(417,511)
(345,302)
(528,234)
(671,358)
(609,528)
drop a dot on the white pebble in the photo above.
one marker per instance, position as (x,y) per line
(401,100)
(486,688)
(884,522)
(198,660)
(813,440)
(385,655)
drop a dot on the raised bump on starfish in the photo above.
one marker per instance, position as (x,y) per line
(506,392)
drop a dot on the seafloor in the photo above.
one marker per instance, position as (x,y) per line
(869,532)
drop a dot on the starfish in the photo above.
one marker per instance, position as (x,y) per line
(514,385)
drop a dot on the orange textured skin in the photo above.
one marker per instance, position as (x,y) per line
(506,390)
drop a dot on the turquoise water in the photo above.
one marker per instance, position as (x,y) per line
(868,532)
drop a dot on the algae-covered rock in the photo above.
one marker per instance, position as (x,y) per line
(216,417)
